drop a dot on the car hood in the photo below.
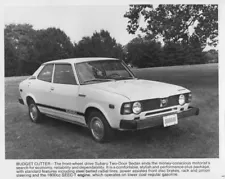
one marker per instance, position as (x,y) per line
(138,89)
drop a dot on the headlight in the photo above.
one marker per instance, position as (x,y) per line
(181,99)
(136,108)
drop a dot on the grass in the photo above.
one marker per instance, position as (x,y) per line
(194,137)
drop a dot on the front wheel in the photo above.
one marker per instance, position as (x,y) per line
(34,113)
(99,127)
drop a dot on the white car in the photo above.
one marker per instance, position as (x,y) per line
(102,94)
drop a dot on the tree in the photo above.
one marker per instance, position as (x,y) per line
(142,52)
(99,44)
(52,44)
(26,48)
(10,58)
(211,56)
(196,54)
(173,22)
(18,44)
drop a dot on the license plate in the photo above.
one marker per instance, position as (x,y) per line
(170,120)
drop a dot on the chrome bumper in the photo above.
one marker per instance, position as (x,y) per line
(155,120)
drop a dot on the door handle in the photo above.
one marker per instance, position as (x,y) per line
(52,88)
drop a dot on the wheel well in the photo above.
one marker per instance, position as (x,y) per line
(88,111)
(29,99)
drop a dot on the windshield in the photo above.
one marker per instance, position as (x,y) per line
(102,71)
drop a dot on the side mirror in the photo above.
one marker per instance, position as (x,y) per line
(32,78)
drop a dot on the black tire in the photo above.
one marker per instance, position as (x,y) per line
(97,121)
(33,112)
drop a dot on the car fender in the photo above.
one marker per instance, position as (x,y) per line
(29,95)
(103,110)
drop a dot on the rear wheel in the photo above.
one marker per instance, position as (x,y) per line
(99,127)
(34,113)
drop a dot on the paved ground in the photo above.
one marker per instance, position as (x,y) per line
(195,137)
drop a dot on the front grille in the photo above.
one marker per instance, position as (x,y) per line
(158,112)
(151,104)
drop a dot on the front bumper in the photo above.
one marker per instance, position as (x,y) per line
(21,101)
(155,120)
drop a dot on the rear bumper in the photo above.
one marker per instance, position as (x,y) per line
(155,120)
(21,101)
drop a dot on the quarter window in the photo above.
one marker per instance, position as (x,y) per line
(46,73)
(64,74)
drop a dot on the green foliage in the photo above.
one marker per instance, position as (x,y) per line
(172,22)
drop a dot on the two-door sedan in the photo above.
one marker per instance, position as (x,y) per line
(102,94)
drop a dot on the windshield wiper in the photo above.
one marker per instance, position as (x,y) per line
(124,78)
(99,79)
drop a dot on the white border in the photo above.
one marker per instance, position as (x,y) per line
(8,166)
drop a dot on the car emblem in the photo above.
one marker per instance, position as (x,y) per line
(163,102)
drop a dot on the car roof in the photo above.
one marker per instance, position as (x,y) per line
(78,60)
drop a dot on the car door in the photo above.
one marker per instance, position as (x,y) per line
(41,86)
(64,94)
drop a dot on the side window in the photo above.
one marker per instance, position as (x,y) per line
(46,73)
(64,74)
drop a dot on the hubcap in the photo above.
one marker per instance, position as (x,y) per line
(97,128)
(33,112)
